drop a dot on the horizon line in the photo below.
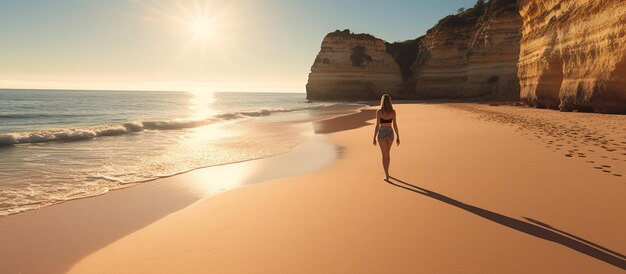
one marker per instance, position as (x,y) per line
(276,87)
(138,90)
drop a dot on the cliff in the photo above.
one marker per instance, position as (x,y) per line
(573,54)
(565,54)
(353,66)
(471,54)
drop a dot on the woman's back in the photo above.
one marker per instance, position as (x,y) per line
(386,117)
(386,124)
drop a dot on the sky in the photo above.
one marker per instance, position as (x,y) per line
(221,45)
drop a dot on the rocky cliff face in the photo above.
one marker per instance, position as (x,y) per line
(573,54)
(566,54)
(471,54)
(353,66)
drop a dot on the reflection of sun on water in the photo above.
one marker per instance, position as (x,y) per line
(200,104)
(201,108)
(219,179)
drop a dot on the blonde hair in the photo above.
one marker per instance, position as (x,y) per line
(385,103)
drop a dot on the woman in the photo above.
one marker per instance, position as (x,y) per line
(385,118)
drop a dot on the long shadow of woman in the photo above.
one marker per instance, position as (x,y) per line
(536,228)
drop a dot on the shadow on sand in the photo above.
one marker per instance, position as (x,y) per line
(347,122)
(534,228)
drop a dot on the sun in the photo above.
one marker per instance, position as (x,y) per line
(202,28)
(205,27)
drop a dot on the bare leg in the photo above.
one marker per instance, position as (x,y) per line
(385,148)
(388,146)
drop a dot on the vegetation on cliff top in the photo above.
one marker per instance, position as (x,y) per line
(346,34)
(469,17)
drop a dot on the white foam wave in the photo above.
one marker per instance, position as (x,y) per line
(86,133)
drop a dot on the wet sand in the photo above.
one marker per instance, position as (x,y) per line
(52,239)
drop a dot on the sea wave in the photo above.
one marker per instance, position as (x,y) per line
(91,132)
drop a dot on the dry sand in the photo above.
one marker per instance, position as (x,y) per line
(474,192)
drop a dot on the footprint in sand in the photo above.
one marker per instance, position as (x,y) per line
(606,171)
(591,162)
(606,166)
(618,175)
(597,167)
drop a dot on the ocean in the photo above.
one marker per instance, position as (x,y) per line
(58,145)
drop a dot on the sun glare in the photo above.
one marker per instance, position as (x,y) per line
(204,26)
(201,28)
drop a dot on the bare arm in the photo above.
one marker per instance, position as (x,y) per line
(376,128)
(395,127)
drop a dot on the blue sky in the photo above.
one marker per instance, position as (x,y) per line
(248,44)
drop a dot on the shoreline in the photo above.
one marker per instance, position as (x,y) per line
(74,222)
(489,199)
(297,126)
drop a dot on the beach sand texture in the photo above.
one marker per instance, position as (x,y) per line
(475,189)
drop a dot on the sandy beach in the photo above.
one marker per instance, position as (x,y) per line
(213,136)
(475,189)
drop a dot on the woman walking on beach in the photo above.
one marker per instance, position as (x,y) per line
(385,118)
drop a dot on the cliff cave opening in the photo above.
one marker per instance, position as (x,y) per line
(405,54)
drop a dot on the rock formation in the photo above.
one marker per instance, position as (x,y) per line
(566,54)
(353,66)
(573,54)
(471,54)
